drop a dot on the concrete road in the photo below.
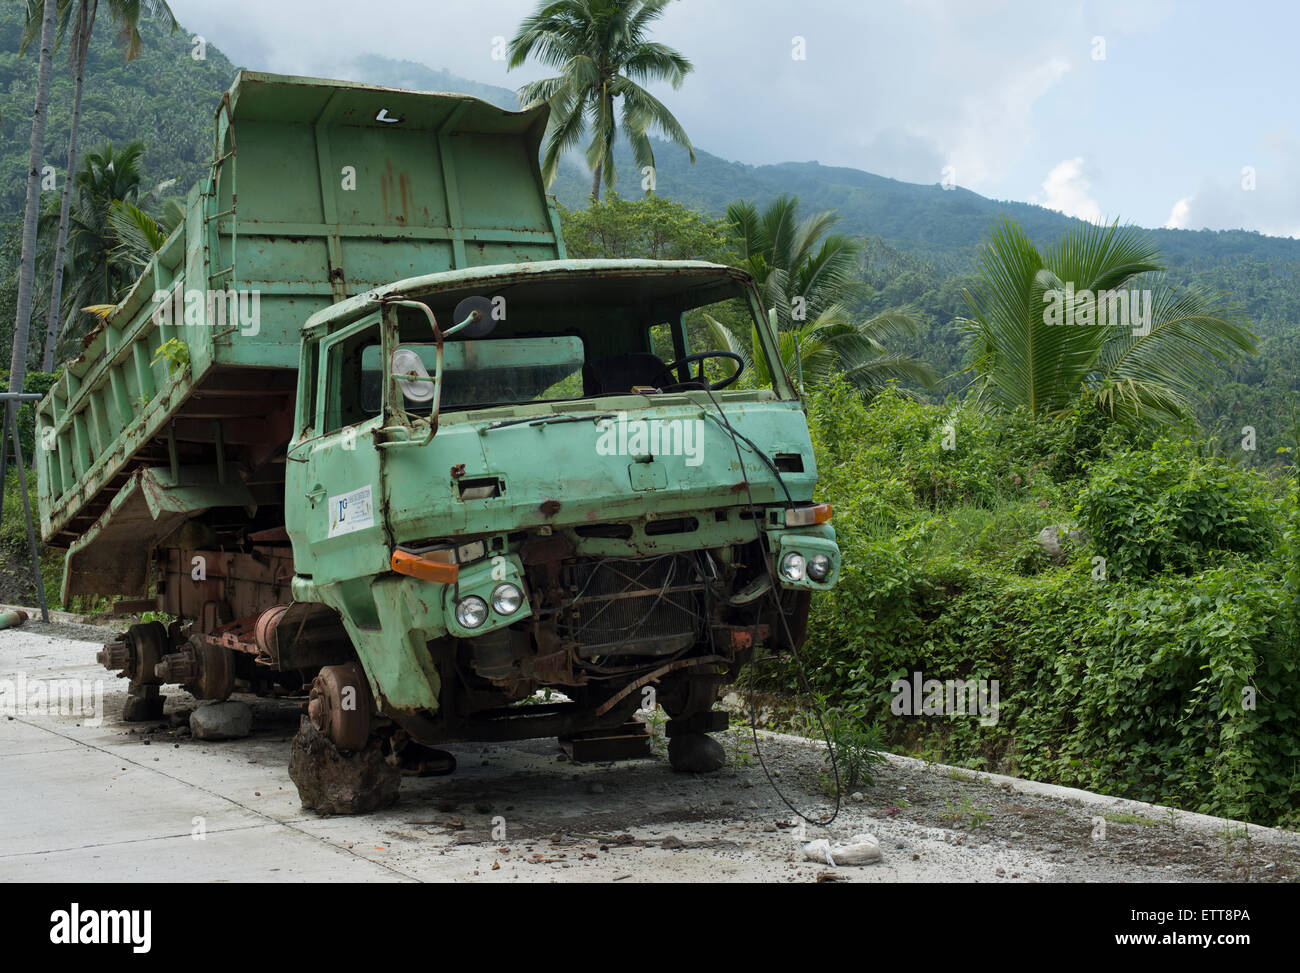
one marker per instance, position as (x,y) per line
(84,797)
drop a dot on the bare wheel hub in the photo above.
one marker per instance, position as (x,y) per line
(339,706)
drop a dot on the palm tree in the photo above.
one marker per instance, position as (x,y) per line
(1042,336)
(125,15)
(602,51)
(111,234)
(805,274)
(27,266)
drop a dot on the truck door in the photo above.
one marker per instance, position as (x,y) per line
(343,519)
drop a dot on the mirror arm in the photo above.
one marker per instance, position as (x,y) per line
(437,375)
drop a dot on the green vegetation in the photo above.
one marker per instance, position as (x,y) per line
(1173,676)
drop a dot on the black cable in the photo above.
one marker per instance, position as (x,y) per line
(785,624)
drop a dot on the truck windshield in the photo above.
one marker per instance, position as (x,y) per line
(576,335)
(480,373)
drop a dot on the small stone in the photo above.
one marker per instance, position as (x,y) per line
(857,796)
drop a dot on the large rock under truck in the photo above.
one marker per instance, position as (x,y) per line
(363,433)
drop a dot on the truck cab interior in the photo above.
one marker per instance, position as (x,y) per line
(560,338)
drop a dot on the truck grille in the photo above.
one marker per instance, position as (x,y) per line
(648,606)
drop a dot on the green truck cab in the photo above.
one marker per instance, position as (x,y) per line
(462,486)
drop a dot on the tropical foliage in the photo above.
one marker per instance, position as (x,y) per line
(1088,315)
(806,275)
(111,234)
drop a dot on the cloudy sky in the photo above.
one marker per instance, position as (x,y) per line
(1163,113)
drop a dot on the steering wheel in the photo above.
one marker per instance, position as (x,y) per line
(699,381)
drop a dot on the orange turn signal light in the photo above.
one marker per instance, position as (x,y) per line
(424,569)
(818,513)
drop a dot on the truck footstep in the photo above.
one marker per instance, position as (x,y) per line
(695,753)
(334,781)
(417,760)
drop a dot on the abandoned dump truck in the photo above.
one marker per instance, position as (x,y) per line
(365,435)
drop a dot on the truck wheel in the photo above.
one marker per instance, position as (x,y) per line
(339,705)
(134,654)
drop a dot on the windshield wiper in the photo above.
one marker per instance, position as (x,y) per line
(545,420)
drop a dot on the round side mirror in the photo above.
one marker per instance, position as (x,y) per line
(412,377)
(483,325)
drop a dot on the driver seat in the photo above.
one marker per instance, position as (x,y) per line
(619,374)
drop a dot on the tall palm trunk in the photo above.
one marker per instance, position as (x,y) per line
(27,269)
(81,32)
(595,184)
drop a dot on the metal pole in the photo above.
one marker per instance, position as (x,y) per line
(11,428)
(4,457)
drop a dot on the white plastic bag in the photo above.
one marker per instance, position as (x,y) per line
(861,849)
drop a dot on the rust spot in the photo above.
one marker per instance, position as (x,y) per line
(550,507)
(404,188)
(458,471)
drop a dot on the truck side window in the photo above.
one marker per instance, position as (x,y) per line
(346,383)
(661,341)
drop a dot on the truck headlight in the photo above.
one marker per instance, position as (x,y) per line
(506,598)
(792,566)
(819,566)
(471,612)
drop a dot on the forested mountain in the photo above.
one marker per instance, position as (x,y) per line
(165,98)
(921,239)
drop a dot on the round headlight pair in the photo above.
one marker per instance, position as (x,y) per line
(794,567)
(472,612)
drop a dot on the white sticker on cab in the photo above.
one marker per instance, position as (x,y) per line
(351,511)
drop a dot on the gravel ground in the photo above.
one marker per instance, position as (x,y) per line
(625,821)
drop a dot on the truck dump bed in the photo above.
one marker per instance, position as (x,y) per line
(182,400)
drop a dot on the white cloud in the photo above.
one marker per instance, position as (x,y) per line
(1179,214)
(995,127)
(1067,191)
(1273,207)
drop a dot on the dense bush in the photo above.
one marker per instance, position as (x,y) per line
(1131,683)
(1166,509)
